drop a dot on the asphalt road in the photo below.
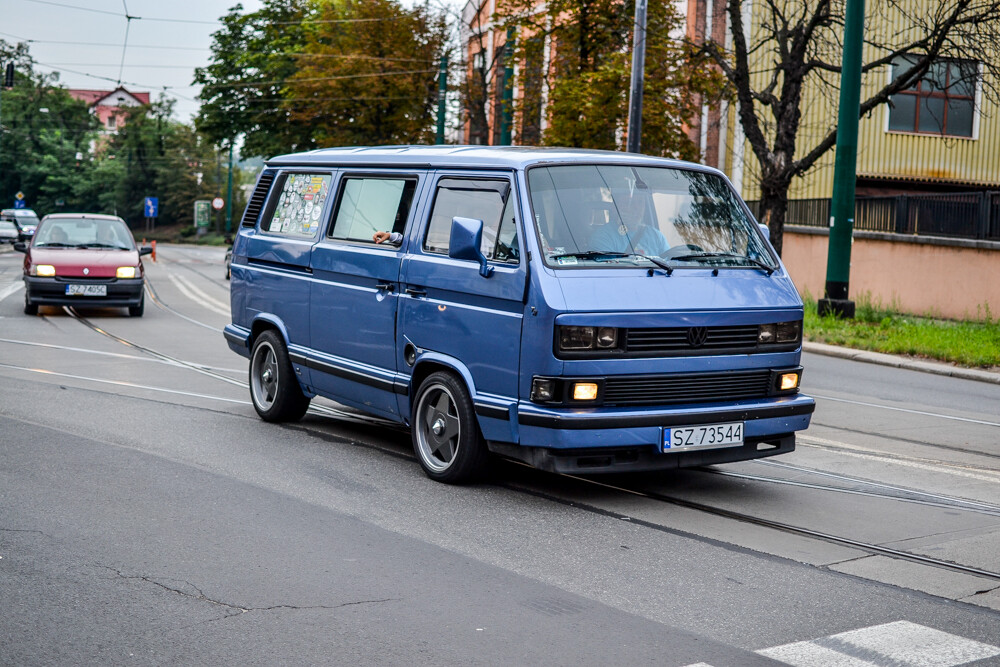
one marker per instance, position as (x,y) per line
(148,516)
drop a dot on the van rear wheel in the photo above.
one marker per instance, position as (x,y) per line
(446,436)
(276,393)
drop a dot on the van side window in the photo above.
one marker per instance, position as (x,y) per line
(503,248)
(369,204)
(299,205)
(479,199)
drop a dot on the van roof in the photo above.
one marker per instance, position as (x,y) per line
(450,156)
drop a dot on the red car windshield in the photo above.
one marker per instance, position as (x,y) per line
(84,233)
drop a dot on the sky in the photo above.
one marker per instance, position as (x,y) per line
(82,40)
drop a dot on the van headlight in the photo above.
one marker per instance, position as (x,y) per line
(780,333)
(587,338)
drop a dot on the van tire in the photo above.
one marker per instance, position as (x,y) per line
(445,432)
(274,389)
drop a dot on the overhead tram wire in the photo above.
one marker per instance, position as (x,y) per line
(128,24)
(215,22)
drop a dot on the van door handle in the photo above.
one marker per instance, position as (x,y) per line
(388,287)
(412,291)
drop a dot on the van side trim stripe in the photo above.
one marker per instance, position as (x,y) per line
(394,386)
(572,423)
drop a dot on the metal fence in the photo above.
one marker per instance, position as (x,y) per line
(972,215)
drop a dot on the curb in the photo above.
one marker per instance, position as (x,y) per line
(937,368)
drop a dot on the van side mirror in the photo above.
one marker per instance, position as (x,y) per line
(466,237)
(765,231)
(145,250)
(21,246)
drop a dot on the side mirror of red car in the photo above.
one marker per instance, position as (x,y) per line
(21,246)
(145,250)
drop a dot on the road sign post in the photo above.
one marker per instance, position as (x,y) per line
(151,209)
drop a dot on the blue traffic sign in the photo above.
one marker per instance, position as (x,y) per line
(151,206)
(19,203)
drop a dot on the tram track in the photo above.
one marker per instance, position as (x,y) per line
(742,517)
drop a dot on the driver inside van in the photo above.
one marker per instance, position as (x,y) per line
(634,234)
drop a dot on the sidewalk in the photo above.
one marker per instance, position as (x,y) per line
(935,367)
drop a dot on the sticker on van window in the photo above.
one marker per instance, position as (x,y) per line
(566,261)
(300,204)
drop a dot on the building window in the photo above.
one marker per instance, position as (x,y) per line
(942,102)
(112,122)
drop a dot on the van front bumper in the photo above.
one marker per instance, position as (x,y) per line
(613,440)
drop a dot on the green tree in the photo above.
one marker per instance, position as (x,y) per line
(43,132)
(590,68)
(253,56)
(368,76)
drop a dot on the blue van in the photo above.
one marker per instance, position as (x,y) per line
(580,311)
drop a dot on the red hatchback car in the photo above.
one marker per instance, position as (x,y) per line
(83,259)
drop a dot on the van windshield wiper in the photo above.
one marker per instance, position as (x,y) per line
(592,254)
(660,262)
(728,255)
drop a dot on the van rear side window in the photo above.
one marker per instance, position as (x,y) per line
(369,205)
(299,206)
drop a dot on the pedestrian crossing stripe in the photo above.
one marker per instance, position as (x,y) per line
(899,644)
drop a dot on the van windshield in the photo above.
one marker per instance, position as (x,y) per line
(615,216)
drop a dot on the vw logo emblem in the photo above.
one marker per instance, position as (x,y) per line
(87,271)
(696,336)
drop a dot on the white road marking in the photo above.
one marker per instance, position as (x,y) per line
(10,289)
(907,410)
(196,295)
(900,644)
(121,383)
(133,357)
(907,461)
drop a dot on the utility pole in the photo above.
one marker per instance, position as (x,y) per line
(507,110)
(442,95)
(838,258)
(638,73)
(8,83)
(229,193)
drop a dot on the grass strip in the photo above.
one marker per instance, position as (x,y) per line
(882,328)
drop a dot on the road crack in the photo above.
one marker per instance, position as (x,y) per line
(236,609)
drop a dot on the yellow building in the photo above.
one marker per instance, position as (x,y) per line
(941,135)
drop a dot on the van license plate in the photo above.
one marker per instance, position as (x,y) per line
(706,436)
(87,290)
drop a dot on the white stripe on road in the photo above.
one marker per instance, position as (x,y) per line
(865,453)
(912,412)
(133,357)
(898,644)
(902,644)
(196,295)
(10,289)
(120,383)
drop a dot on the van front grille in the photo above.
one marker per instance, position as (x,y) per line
(686,388)
(678,341)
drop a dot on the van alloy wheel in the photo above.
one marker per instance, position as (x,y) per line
(276,393)
(446,437)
